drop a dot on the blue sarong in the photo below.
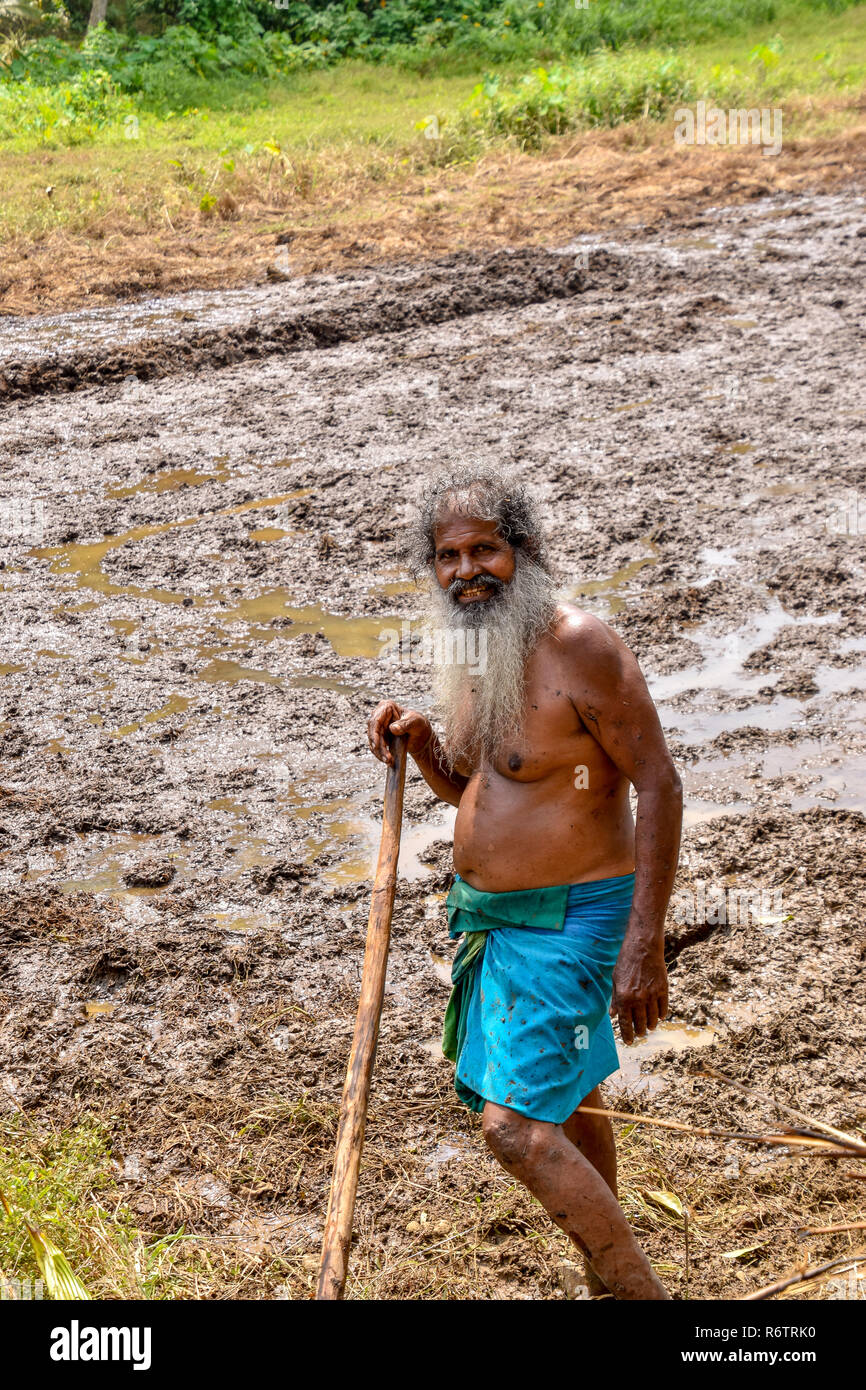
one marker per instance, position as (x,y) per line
(528,1024)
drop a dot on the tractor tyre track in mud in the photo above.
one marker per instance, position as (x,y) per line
(453,288)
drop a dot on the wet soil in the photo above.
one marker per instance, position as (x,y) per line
(203,592)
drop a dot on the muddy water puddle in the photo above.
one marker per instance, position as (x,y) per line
(103,869)
(441,967)
(715,559)
(349,636)
(392,587)
(611,594)
(832,774)
(175,704)
(339,687)
(336,828)
(82,561)
(670,1035)
(359,865)
(267,616)
(686,697)
(219,671)
(235,917)
(724,655)
(703,724)
(699,810)
(266,534)
(171,480)
(841,779)
(695,243)
(446,1152)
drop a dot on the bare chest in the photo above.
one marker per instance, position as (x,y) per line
(553,736)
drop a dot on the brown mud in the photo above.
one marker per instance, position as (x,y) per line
(353,308)
(203,594)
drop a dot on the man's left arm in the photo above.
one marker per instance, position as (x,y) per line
(613,701)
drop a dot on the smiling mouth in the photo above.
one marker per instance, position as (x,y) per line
(477,591)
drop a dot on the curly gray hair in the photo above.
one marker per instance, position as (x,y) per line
(485,493)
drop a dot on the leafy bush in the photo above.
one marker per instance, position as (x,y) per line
(154,64)
(647,85)
(539,105)
(223,43)
(603,91)
(72,112)
(373,27)
(415,31)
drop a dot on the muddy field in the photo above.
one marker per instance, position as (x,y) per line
(204,500)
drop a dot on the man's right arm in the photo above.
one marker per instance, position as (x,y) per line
(422,744)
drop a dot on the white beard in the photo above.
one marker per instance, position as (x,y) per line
(481,702)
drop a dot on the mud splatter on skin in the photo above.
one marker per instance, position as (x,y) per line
(749,592)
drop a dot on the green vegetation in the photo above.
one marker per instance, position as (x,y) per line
(60,1182)
(604,91)
(53,1181)
(196,55)
(608,89)
(124,159)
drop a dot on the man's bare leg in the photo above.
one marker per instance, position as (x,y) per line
(575,1197)
(592,1135)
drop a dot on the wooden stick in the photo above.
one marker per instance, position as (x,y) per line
(779,1105)
(830,1148)
(830,1230)
(802,1278)
(356,1091)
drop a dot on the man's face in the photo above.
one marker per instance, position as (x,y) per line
(472,560)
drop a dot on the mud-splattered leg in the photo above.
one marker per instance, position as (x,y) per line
(593,1136)
(575,1196)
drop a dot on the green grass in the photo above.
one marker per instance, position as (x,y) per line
(317,138)
(812,59)
(52,93)
(63,1181)
(355,104)
(57,1179)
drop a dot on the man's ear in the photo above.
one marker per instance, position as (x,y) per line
(530,547)
(532,550)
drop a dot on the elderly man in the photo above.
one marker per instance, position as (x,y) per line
(559,896)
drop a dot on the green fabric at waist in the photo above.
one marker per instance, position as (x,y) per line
(471,910)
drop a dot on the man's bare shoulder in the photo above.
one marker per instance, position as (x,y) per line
(596,660)
(583,634)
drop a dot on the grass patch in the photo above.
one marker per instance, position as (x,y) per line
(57,1179)
(361,160)
(316,134)
(64,1181)
(610,89)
